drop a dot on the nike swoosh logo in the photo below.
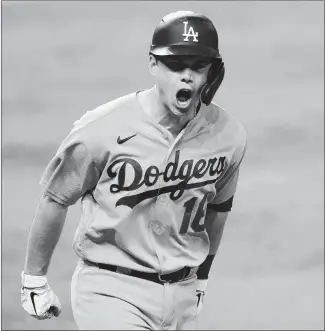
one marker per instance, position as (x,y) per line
(32,295)
(122,141)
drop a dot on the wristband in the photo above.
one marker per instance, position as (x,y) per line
(204,268)
(202,285)
(33,281)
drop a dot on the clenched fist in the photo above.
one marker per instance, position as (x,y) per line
(37,298)
(200,292)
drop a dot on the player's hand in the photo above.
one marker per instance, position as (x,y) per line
(37,298)
(200,292)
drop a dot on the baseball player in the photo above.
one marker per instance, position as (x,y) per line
(156,172)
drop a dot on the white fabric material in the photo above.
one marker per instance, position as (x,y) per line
(33,281)
(119,185)
(200,292)
(106,300)
(38,299)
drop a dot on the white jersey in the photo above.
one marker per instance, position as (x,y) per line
(144,194)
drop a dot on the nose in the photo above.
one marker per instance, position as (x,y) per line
(186,75)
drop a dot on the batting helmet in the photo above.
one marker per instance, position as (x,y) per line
(189,33)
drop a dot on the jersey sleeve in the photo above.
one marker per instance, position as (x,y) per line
(72,172)
(226,187)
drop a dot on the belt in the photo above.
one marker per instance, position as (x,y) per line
(173,277)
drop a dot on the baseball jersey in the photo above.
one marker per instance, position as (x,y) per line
(144,193)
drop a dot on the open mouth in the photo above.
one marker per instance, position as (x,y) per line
(183,97)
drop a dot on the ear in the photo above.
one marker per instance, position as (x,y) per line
(152,65)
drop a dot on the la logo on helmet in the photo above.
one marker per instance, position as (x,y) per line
(189,33)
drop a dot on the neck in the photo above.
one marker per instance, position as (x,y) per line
(164,116)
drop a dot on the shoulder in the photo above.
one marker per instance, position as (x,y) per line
(110,109)
(222,122)
(94,130)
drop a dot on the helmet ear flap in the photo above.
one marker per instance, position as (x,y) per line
(214,80)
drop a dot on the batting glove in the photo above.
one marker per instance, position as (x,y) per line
(200,292)
(37,298)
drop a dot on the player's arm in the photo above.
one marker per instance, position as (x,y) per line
(44,235)
(70,174)
(218,209)
(217,213)
(37,298)
(215,221)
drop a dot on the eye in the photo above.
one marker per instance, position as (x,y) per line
(200,65)
(174,65)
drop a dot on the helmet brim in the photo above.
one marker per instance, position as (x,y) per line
(181,49)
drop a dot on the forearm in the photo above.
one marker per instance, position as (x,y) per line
(215,226)
(215,223)
(44,235)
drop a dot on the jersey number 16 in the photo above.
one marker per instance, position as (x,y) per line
(189,206)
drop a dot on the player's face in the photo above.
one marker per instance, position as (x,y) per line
(179,80)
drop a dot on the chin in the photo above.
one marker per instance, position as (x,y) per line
(183,109)
(180,111)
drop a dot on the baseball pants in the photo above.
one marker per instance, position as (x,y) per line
(106,300)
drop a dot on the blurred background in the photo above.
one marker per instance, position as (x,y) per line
(60,59)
